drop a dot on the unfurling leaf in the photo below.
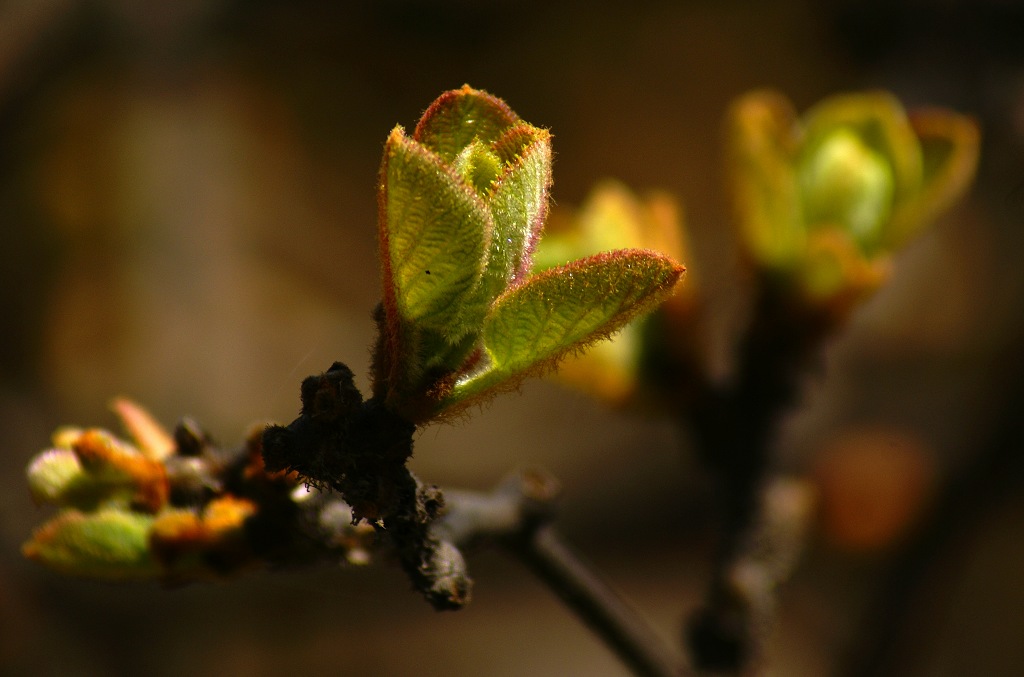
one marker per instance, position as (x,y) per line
(519,201)
(462,205)
(106,544)
(435,235)
(615,217)
(459,116)
(563,309)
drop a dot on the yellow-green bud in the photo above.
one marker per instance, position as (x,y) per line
(846,183)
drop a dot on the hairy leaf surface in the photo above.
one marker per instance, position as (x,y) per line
(435,231)
(562,309)
(458,116)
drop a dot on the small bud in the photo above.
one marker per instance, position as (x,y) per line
(189,438)
(91,468)
(52,474)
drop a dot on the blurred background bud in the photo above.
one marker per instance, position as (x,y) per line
(614,217)
(823,201)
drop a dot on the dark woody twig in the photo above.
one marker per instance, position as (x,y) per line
(360,449)
(518,515)
(734,425)
(622,629)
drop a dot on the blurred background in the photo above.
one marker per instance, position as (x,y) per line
(187,212)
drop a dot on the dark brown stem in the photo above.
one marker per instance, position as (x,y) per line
(734,426)
(518,514)
(595,602)
(360,449)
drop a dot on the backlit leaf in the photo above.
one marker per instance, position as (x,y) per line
(519,201)
(459,116)
(519,204)
(563,309)
(435,232)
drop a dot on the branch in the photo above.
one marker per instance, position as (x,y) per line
(178,508)
(735,424)
(518,515)
(360,449)
(597,604)
(742,609)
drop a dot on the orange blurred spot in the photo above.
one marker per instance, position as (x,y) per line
(874,484)
(99,451)
(183,539)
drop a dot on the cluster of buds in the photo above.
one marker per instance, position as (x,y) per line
(174,507)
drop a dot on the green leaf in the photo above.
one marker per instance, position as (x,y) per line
(435,233)
(519,204)
(478,166)
(107,544)
(519,201)
(459,116)
(563,309)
